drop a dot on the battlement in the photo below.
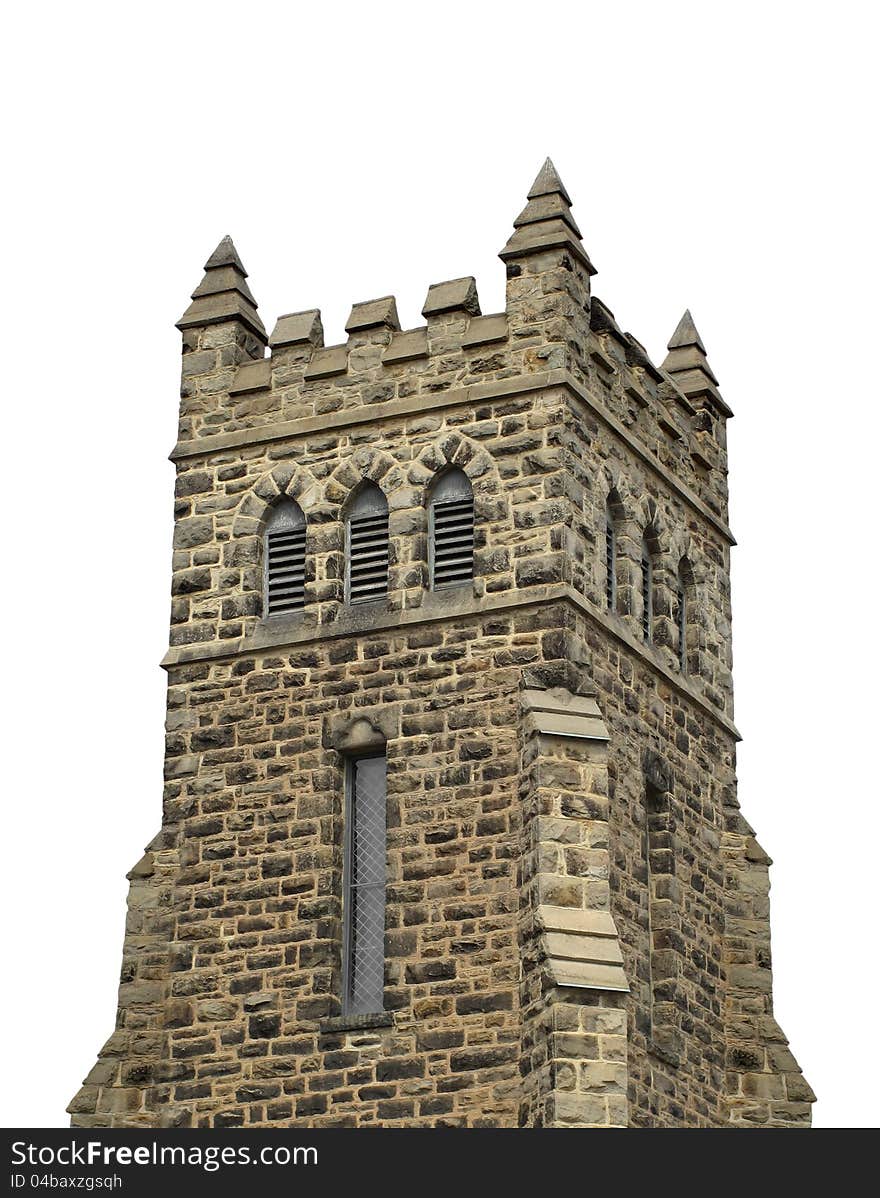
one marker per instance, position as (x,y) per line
(236,378)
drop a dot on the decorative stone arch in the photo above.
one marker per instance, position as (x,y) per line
(609,516)
(366,464)
(690,578)
(620,483)
(610,478)
(653,526)
(655,546)
(453,450)
(450,450)
(285,481)
(681,545)
(614,476)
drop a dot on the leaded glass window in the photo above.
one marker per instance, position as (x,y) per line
(364,886)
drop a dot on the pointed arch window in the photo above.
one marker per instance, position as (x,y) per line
(284,559)
(683,610)
(612,505)
(647,592)
(451,529)
(366,546)
(364,876)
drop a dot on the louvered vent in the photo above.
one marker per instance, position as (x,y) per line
(453,542)
(682,628)
(284,563)
(367,557)
(647,613)
(366,545)
(451,504)
(610,567)
(286,571)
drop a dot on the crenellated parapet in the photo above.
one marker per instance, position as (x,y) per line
(551,322)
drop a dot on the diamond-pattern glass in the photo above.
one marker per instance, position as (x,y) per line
(365,889)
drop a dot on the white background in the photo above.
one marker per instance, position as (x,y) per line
(719,156)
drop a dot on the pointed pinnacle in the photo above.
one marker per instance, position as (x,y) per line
(548,183)
(688,367)
(226,255)
(686,334)
(223,294)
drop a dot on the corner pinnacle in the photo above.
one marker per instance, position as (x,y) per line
(223,294)
(546,221)
(688,366)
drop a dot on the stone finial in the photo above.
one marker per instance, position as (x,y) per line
(686,334)
(548,183)
(688,367)
(371,314)
(546,221)
(298,328)
(223,294)
(226,255)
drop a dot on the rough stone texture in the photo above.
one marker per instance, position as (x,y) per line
(524,850)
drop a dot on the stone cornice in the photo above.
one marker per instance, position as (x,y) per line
(439,606)
(417,405)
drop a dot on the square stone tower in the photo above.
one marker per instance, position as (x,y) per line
(450,833)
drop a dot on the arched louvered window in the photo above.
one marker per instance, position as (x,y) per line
(284,559)
(614,516)
(647,592)
(366,545)
(681,619)
(684,594)
(610,563)
(451,529)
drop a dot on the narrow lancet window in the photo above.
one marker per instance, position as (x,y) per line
(681,613)
(284,559)
(683,610)
(451,529)
(647,593)
(366,546)
(610,562)
(364,886)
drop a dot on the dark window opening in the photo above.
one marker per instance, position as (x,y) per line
(647,594)
(366,535)
(451,530)
(682,627)
(364,886)
(284,560)
(610,565)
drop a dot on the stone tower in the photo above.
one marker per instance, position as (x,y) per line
(450,833)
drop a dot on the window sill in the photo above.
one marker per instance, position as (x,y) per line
(355,1023)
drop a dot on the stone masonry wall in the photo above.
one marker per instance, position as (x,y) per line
(628,835)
